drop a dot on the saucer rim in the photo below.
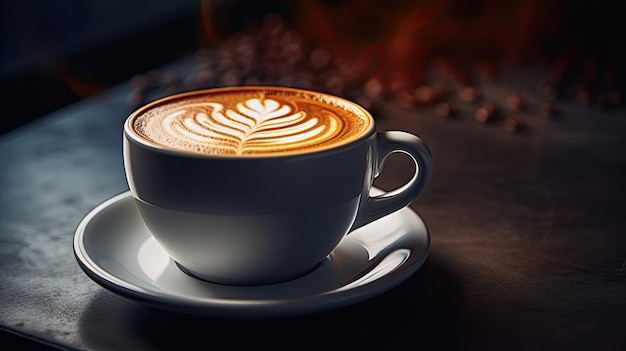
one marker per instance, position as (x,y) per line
(235,309)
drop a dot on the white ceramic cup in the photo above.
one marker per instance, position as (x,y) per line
(264,219)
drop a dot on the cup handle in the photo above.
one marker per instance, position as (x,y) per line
(384,204)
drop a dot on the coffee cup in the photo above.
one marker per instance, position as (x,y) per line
(257,185)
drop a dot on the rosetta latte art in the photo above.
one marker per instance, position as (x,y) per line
(249,122)
(255,125)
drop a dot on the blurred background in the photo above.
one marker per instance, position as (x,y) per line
(54,53)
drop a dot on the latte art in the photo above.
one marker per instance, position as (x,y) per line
(256,125)
(250,122)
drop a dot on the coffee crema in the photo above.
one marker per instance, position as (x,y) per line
(251,121)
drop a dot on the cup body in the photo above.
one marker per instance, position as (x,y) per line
(249,220)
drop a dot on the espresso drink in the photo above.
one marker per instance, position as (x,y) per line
(251,121)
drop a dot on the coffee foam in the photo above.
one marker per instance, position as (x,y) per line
(246,121)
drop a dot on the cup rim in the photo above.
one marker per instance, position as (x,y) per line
(131,134)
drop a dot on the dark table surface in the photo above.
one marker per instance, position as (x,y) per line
(528,244)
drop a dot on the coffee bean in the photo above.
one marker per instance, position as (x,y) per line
(469,94)
(445,109)
(373,88)
(485,113)
(424,95)
(450,71)
(139,82)
(482,115)
(513,124)
(145,81)
(515,103)
(427,95)
(548,90)
(397,84)
(135,98)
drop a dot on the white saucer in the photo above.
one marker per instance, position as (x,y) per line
(116,250)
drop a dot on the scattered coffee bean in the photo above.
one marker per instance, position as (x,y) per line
(515,103)
(449,71)
(373,88)
(135,98)
(469,94)
(139,82)
(445,109)
(424,95)
(513,124)
(427,95)
(550,91)
(485,113)
(286,59)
